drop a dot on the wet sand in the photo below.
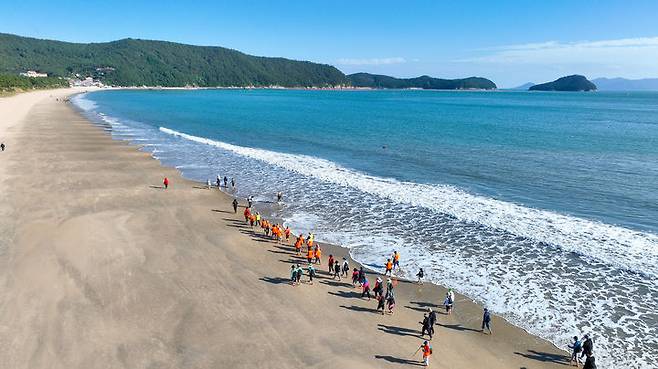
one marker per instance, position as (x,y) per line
(100,267)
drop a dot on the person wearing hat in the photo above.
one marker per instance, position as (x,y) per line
(427,352)
(431,314)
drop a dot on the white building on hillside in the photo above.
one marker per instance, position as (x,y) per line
(31,73)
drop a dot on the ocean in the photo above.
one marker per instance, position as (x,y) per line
(541,206)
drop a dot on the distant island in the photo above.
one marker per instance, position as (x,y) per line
(135,62)
(423,82)
(623,84)
(569,83)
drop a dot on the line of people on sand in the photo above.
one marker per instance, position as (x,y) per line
(382,292)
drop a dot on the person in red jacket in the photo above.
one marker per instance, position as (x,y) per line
(166,182)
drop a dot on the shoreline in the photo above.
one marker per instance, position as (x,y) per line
(440,290)
(165,278)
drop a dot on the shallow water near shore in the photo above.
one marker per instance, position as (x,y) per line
(542,206)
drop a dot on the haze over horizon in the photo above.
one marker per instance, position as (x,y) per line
(510,43)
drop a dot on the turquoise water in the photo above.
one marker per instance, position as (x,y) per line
(541,205)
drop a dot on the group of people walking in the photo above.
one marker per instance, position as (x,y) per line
(382,292)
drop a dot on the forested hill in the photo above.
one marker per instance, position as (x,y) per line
(569,83)
(424,82)
(133,62)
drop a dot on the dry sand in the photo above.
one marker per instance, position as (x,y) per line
(102,268)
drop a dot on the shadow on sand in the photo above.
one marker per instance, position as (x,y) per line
(545,357)
(398,360)
(277,280)
(399,331)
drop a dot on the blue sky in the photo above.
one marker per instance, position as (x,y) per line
(510,42)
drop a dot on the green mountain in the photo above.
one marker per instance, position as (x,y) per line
(569,83)
(132,62)
(424,82)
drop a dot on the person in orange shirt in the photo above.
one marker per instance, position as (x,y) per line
(427,352)
(310,255)
(298,245)
(318,254)
(389,267)
(287,232)
(252,220)
(396,260)
(247,214)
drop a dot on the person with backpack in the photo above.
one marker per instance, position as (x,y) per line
(311,273)
(576,347)
(346,267)
(486,321)
(426,350)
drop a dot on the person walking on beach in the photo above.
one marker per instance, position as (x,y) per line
(355,276)
(235,206)
(588,346)
(208,183)
(431,314)
(396,260)
(250,200)
(590,363)
(366,288)
(287,233)
(218,182)
(420,276)
(298,245)
(389,287)
(426,327)
(362,276)
(299,274)
(331,264)
(165,182)
(2,146)
(379,287)
(486,321)
(576,347)
(346,267)
(225,182)
(309,255)
(389,268)
(247,214)
(448,304)
(390,300)
(311,273)
(426,349)
(381,303)
(336,270)
(451,294)
(293,275)
(318,254)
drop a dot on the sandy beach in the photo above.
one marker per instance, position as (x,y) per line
(100,267)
